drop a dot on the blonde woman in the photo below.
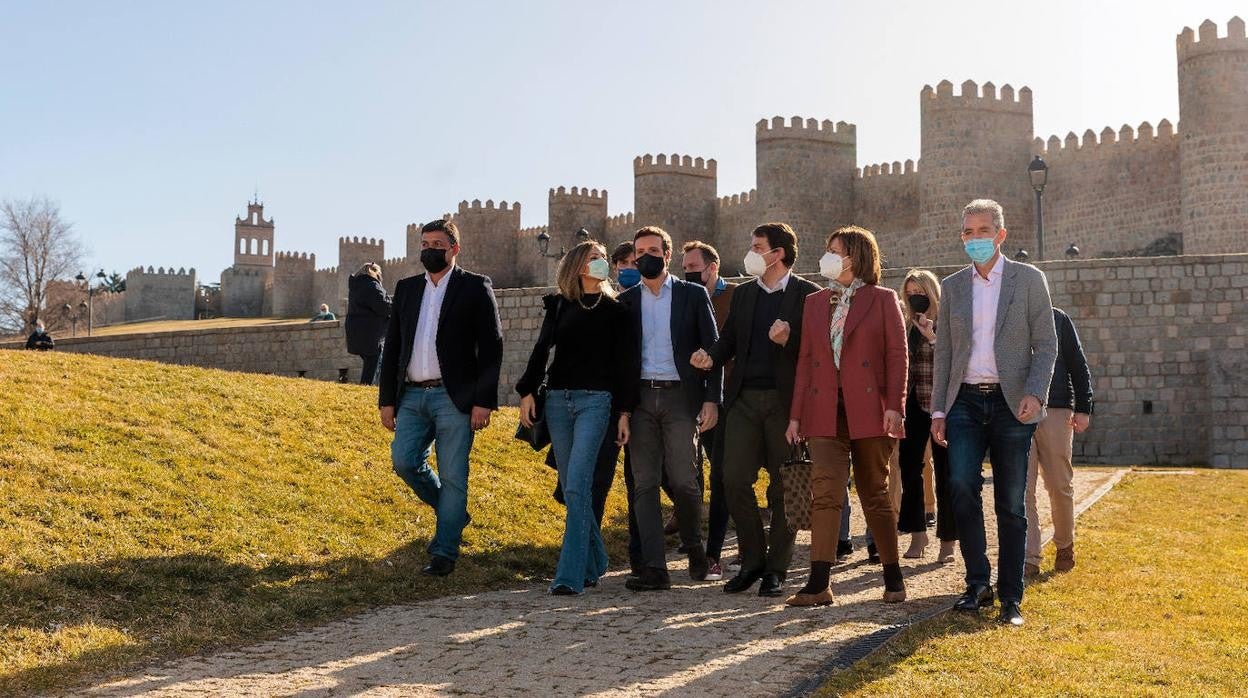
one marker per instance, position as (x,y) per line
(594,373)
(920,292)
(368,314)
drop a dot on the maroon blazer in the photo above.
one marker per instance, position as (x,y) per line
(873,365)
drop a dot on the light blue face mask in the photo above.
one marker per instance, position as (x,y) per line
(599,269)
(980,250)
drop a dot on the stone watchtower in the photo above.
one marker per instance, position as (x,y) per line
(805,177)
(678,195)
(247,287)
(571,210)
(973,146)
(1213,138)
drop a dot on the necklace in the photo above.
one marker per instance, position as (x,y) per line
(589,307)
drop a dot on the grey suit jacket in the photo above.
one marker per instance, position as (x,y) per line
(1025,343)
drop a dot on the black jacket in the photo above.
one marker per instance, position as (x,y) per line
(735,343)
(368,310)
(1070,373)
(469,340)
(41,341)
(693,328)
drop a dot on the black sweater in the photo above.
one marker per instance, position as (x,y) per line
(1071,378)
(595,349)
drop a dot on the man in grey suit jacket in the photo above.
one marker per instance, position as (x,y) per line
(995,349)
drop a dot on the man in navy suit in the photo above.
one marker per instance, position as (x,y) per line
(673,320)
(439,382)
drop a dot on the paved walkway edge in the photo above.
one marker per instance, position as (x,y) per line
(878,640)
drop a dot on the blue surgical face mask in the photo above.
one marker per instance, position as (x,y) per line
(980,250)
(629,278)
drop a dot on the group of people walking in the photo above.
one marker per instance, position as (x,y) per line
(667,369)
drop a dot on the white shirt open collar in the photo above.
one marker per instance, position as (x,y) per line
(782,284)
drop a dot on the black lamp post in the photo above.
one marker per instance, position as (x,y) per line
(543,243)
(1021,255)
(82,281)
(1072,251)
(1038,173)
(73,315)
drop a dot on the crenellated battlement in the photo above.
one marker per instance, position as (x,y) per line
(810,130)
(747,198)
(578,195)
(1190,44)
(623,223)
(161,271)
(678,164)
(886,169)
(393,262)
(357,240)
(1071,146)
(971,97)
(296,258)
(475,206)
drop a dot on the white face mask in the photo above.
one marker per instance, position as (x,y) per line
(831,265)
(755,264)
(599,269)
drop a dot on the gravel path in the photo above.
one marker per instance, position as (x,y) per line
(694,638)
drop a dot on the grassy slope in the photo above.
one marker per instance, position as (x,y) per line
(1155,606)
(149,510)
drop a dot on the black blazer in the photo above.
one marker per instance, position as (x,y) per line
(368,315)
(1072,381)
(469,340)
(736,343)
(693,328)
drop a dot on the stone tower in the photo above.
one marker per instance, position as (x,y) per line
(488,237)
(805,177)
(678,195)
(973,146)
(247,287)
(575,209)
(1213,138)
(293,285)
(253,238)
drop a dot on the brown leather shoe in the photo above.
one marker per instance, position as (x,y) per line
(894,596)
(822,598)
(1065,559)
(1031,571)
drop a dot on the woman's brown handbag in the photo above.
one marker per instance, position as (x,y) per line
(795,476)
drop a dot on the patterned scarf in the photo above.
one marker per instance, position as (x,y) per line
(840,301)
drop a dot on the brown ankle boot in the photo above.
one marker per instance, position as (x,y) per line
(1065,559)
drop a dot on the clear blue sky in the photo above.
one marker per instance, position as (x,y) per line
(152,122)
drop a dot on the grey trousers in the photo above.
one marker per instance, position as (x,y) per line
(664,434)
(753,439)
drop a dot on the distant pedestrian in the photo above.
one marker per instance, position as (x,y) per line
(368,312)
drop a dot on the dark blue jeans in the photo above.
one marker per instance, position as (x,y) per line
(979,424)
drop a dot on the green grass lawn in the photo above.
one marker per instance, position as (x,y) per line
(1156,606)
(150,511)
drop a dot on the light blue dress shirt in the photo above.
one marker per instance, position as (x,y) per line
(658,361)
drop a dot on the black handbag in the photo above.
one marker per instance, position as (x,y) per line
(538,435)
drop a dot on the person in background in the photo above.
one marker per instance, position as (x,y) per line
(1069,413)
(594,373)
(848,401)
(323,313)
(623,267)
(40,340)
(368,312)
(920,292)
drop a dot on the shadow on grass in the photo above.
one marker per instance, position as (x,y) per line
(191,603)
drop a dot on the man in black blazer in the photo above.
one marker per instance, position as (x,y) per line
(439,381)
(673,319)
(762,334)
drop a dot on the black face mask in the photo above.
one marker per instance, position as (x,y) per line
(650,266)
(919,303)
(433,259)
(694,277)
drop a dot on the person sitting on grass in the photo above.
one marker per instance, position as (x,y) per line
(40,340)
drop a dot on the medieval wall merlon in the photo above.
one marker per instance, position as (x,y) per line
(583,195)
(943,97)
(678,164)
(139,272)
(1190,44)
(295,260)
(808,129)
(621,226)
(476,206)
(1092,144)
(747,198)
(886,169)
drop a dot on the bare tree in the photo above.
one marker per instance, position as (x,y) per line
(36,246)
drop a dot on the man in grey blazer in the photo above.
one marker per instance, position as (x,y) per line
(995,349)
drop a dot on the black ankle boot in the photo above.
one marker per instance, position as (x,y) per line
(892,578)
(819,574)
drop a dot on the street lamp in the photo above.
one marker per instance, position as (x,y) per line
(543,243)
(1021,255)
(1038,173)
(73,315)
(82,281)
(1072,251)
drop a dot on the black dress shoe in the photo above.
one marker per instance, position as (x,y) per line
(650,579)
(564,590)
(439,566)
(771,585)
(975,597)
(1010,614)
(844,548)
(873,555)
(698,564)
(743,581)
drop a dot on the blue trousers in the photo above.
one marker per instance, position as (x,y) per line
(577,420)
(982,424)
(426,418)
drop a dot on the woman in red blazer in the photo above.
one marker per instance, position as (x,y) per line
(848,403)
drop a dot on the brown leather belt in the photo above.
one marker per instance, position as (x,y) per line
(652,383)
(423,384)
(982,388)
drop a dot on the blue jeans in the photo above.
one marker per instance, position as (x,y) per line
(979,424)
(427,417)
(577,420)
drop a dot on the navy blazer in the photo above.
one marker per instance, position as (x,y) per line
(469,340)
(693,328)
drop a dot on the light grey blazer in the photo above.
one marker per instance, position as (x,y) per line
(1025,345)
